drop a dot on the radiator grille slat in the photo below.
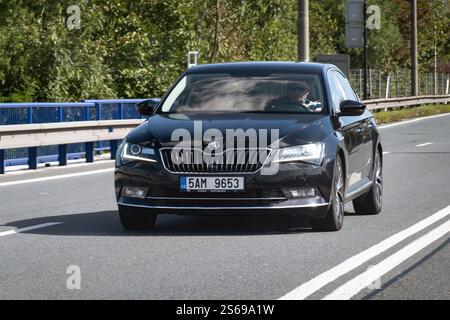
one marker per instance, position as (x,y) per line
(233,161)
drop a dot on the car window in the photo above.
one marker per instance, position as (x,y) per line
(337,90)
(274,93)
(349,92)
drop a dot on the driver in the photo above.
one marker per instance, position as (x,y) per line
(297,94)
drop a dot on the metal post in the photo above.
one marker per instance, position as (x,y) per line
(419,83)
(360,83)
(414,65)
(435,62)
(86,113)
(98,116)
(30,114)
(446,86)
(443,83)
(32,158)
(303,30)
(388,84)
(379,83)
(62,154)
(366,51)
(2,161)
(61,114)
(89,148)
(120,110)
(113,146)
(370,83)
(98,111)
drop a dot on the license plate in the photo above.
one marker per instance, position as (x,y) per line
(217,184)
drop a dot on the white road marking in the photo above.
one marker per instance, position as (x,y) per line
(39,226)
(424,144)
(386,152)
(63,176)
(352,287)
(411,121)
(311,286)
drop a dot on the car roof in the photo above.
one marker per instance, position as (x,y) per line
(259,67)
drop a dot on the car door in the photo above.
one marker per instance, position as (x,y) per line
(366,129)
(352,129)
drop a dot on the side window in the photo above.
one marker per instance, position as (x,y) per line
(337,90)
(349,92)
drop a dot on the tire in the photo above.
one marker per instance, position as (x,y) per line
(133,218)
(372,202)
(334,219)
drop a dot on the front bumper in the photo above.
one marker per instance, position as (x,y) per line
(262,196)
(313,207)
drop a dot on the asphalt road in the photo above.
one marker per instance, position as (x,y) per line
(231,257)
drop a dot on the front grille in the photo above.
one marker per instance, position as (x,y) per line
(232,160)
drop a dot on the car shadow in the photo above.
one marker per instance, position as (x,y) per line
(106,223)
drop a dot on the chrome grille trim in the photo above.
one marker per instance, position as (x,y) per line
(236,168)
(226,208)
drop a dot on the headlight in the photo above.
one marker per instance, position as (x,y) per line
(310,153)
(132,152)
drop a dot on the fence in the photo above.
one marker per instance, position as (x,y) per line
(383,85)
(30,113)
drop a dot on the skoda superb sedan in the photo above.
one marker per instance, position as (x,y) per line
(252,139)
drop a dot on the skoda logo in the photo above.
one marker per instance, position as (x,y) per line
(214,145)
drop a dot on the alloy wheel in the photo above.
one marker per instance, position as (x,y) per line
(338,206)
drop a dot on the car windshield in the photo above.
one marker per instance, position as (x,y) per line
(275,93)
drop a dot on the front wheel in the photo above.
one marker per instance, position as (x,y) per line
(371,203)
(334,219)
(133,218)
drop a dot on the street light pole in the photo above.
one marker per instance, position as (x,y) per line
(303,30)
(414,65)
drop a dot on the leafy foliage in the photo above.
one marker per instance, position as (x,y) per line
(137,48)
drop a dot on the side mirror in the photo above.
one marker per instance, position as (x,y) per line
(351,108)
(147,107)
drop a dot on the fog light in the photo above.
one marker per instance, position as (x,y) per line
(298,193)
(135,192)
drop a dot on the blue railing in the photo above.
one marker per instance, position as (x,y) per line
(43,112)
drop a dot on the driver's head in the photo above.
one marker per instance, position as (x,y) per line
(298,91)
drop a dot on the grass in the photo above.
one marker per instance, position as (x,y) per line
(416,112)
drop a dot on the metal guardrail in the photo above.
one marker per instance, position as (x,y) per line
(50,112)
(62,134)
(33,136)
(394,103)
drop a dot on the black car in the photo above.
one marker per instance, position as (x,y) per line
(250,138)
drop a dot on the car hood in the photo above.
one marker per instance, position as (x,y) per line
(294,129)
